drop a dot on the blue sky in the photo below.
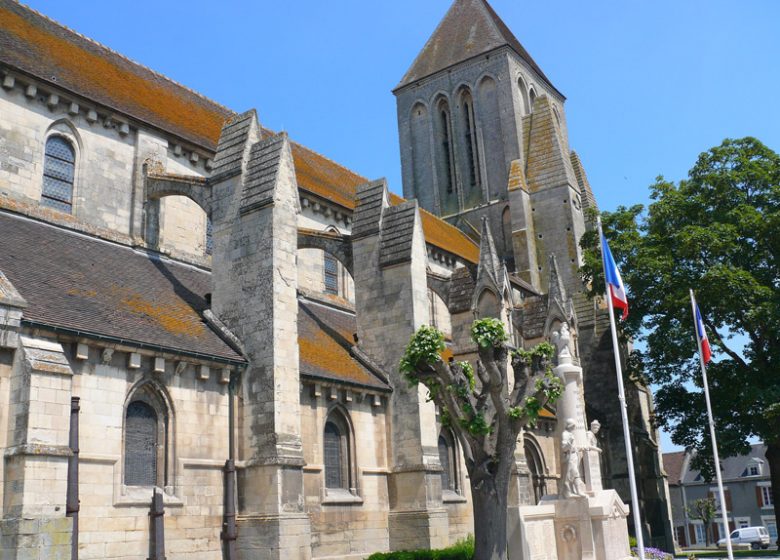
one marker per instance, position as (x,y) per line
(650,85)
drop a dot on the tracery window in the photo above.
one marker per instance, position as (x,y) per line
(59,168)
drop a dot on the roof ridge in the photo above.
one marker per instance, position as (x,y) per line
(122,56)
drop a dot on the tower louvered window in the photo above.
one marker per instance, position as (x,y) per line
(446,148)
(141,436)
(331,275)
(59,168)
(333,456)
(472,152)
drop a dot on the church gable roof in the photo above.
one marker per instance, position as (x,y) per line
(469,28)
(46,50)
(101,289)
(41,47)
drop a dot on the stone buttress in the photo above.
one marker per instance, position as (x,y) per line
(254,210)
(391,303)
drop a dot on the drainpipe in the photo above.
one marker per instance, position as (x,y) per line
(229,532)
(157,527)
(72,499)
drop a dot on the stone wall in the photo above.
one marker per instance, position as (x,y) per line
(345,524)
(108,189)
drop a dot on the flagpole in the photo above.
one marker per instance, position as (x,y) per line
(640,542)
(711,422)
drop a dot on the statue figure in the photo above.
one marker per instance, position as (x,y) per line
(593,441)
(570,487)
(108,353)
(562,341)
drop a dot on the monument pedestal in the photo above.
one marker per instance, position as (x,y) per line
(584,528)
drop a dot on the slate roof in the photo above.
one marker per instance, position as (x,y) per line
(41,47)
(468,29)
(396,244)
(261,172)
(733,467)
(75,282)
(325,337)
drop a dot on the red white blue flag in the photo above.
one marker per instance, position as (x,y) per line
(701,334)
(615,287)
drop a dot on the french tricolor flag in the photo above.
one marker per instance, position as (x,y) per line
(615,287)
(701,334)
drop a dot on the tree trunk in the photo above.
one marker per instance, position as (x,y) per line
(773,458)
(490,502)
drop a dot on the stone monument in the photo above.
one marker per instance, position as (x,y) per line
(585,521)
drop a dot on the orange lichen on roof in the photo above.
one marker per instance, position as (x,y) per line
(326,354)
(545,413)
(94,71)
(175,317)
(444,235)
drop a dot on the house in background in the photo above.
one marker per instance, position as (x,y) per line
(747,488)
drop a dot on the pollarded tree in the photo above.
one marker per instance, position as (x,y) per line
(485,413)
(703,510)
(717,232)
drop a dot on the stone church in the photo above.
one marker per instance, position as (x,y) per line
(196,308)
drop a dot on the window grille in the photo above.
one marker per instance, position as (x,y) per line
(58,173)
(446,149)
(140,445)
(331,271)
(447,476)
(333,457)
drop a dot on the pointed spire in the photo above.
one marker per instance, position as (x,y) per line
(489,262)
(556,290)
(469,28)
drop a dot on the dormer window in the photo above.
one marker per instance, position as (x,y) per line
(754,468)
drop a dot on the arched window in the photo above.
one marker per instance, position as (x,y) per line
(338,453)
(146,439)
(445,148)
(331,275)
(140,445)
(523,95)
(470,133)
(535,464)
(532,98)
(59,168)
(448,460)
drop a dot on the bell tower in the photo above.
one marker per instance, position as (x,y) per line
(462,109)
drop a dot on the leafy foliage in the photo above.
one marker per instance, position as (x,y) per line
(462,550)
(424,348)
(488,332)
(476,402)
(716,232)
(704,510)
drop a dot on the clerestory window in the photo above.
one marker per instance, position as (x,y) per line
(59,170)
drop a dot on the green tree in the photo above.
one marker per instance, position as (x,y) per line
(717,232)
(484,414)
(704,510)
